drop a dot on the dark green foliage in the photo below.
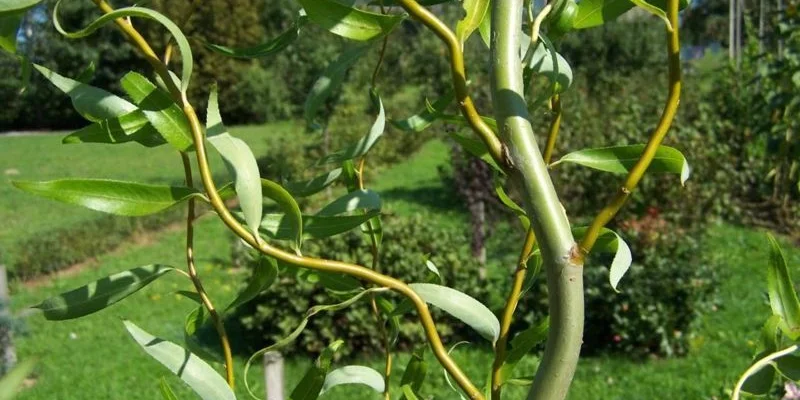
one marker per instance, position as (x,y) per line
(406,241)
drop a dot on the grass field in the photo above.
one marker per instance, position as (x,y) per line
(94,358)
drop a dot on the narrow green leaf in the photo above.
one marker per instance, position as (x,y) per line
(9,25)
(597,12)
(113,197)
(187,63)
(521,345)
(191,295)
(11,6)
(276,226)
(292,214)
(201,377)
(349,22)
(485,28)
(416,370)
(475,12)
(546,61)
(354,374)
(609,242)
(465,308)
(310,386)
(132,127)
(476,148)
(160,110)
(166,391)
(620,160)
(330,81)
(356,200)
(364,144)
(418,122)
(100,294)
(338,283)
(240,161)
(789,367)
(655,11)
(760,383)
(198,323)
(263,277)
(782,296)
(93,103)
(265,49)
(408,393)
(315,185)
(13,380)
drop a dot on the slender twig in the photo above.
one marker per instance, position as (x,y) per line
(382,54)
(508,312)
(555,125)
(458,71)
(198,285)
(181,24)
(649,152)
(357,271)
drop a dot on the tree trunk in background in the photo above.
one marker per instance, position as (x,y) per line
(273,375)
(8,353)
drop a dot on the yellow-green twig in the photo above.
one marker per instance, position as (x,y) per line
(667,116)
(555,125)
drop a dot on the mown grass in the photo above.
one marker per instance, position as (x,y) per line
(94,358)
(43,157)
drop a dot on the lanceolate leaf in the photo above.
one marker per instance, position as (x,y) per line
(13,379)
(160,110)
(263,277)
(310,386)
(113,197)
(100,294)
(276,226)
(620,159)
(546,61)
(416,370)
(289,206)
(418,122)
(313,186)
(330,80)
(485,28)
(349,22)
(521,345)
(185,50)
(475,12)
(654,10)
(354,374)
(465,308)
(93,103)
(597,12)
(610,242)
(8,6)
(265,49)
(132,127)
(240,161)
(9,25)
(356,200)
(197,324)
(364,144)
(782,295)
(201,377)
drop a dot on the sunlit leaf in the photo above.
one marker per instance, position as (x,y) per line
(364,144)
(93,103)
(132,127)
(418,122)
(620,160)
(292,215)
(356,200)
(276,226)
(475,12)
(330,81)
(187,63)
(609,242)
(597,12)
(462,306)
(240,161)
(315,185)
(546,61)
(162,112)
(201,377)
(349,22)
(485,28)
(265,49)
(654,10)
(11,6)
(166,391)
(100,294)
(782,295)
(354,374)
(416,370)
(113,197)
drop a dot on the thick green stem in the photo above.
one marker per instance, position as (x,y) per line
(548,219)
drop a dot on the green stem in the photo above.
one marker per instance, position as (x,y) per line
(548,219)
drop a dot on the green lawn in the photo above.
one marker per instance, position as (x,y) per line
(43,157)
(94,358)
